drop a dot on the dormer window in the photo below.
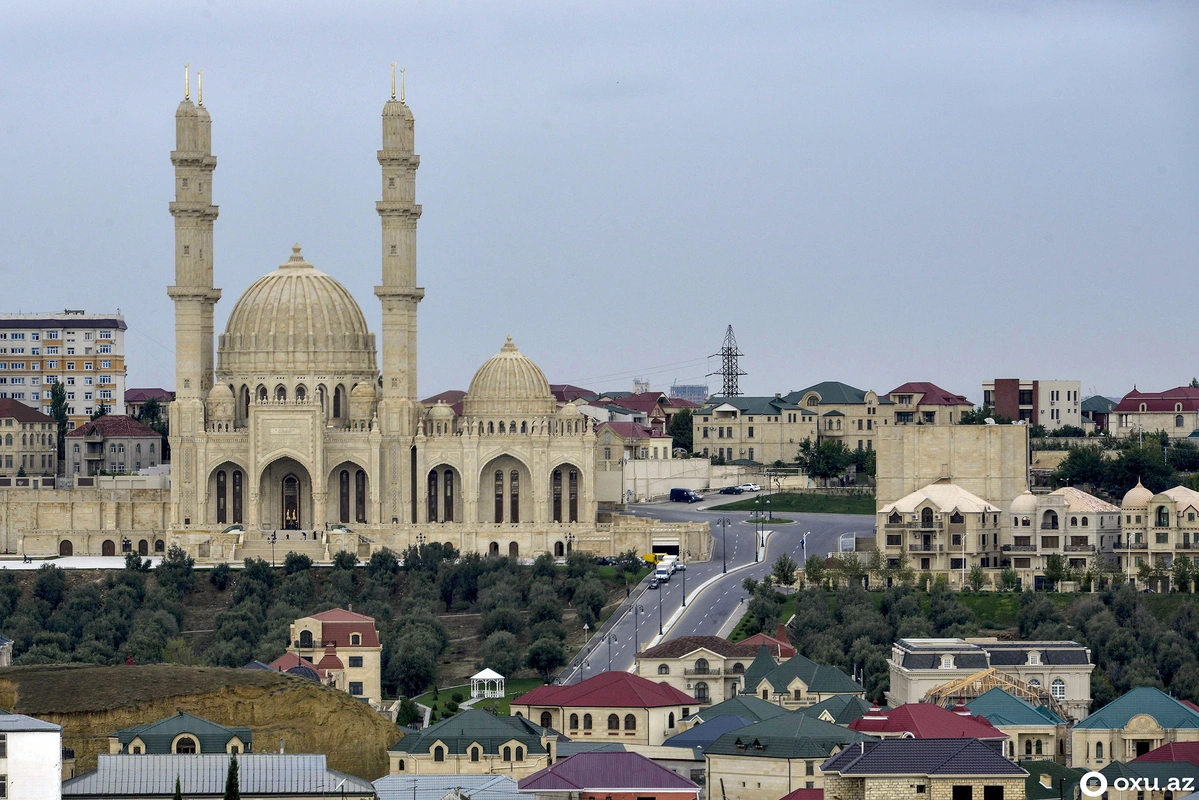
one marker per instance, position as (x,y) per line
(946,661)
(355,639)
(1034,658)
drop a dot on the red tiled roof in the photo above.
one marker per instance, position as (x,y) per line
(632,430)
(926,721)
(646,402)
(779,646)
(341,615)
(568,393)
(142,395)
(804,794)
(449,397)
(934,395)
(21,412)
(677,648)
(607,690)
(113,425)
(1160,401)
(330,660)
(607,772)
(1174,751)
(337,624)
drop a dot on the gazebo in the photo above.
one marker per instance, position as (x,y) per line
(487,683)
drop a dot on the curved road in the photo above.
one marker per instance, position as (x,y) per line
(715,608)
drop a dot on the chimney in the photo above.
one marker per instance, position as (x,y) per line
(280,745)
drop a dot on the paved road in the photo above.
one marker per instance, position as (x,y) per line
(717,608)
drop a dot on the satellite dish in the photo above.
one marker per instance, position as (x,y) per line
(989,420)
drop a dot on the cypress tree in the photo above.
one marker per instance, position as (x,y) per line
(232,790)
(178,790)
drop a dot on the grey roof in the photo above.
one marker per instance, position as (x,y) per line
(19,723)
(790,735)
(752,405)
(979,655)
(974,661)
(258,665)
(704,734)
(474,726)
(921,757)
(204,774)
(62,321)
(820,678)
(158,736)
(435,787)
(570,748)
(833,392)
(1052,653)
(1098,403)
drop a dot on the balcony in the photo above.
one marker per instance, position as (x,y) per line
(1186,546)
(1130,546)
(1080,548)
(926,548)
(1049,526)
(700,672)
(1021,548)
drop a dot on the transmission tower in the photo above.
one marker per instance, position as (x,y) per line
(729,371)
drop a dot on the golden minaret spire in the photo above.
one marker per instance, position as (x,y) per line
(393,80)
(200,88)
(187,82)
(402,84)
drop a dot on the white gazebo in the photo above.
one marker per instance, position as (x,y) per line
(487,683)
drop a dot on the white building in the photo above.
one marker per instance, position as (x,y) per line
(1049,403)
(30,758)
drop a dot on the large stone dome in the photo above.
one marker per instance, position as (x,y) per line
(508,383)
(296,320)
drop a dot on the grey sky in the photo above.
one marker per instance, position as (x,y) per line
(871,193)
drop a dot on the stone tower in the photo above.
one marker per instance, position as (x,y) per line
(399,294)
(194,296)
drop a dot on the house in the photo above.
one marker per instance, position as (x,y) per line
(1050,403)
(1150,780)
(924,403)
(447,787)
(758,429)
(344,648)
(614,706)
(846,413)
(780,646)
(953,769)
(771,758)
(112,443)
(1155,526)
(631,441)
(270,776)
(136,399)
(31,758)
(1035,731)
(1096,412)
(1172,751)
(180,734)
(1139,721)
(842,709)
(1075,525)
(1175,411)
(797,682)
(28,441)
(941,529)
(708,668)
(929,721)
(746,706)
(1058,672)
(475,742)
(607,776)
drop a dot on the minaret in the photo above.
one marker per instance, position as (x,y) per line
(399,213)
(194,298)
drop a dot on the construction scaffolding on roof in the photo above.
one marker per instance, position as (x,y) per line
(978,684)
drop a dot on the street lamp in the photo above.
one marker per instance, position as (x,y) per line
(611,639)
(660,591)
(637,611)
(684,571)
(768,515)
(274,536)
(724,522)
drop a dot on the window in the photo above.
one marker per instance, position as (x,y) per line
(946,661)
(356,661)
(474,754)
(355,640)
(507,754)
(586,722)
(3,745)
(520,753)
(1058,689)
(1099,751)
(185,744)
(663,669)
(701,692)
(356,687)
(87,365)
(439,753)
(574,722)
(547,721)
(630,722)
(613,722)
(400,766)
(750,433)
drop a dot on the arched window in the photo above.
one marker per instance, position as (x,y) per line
(520,753)
(221,489)
(400,766)
(547,721)
(1058,689)
(305,639)
(159,546)
(926,518)
(65,548)
(630,722)
(439,753)
(1073,522)
(1039,749)
(574,722)
(339,401)
(507,754)
(1028,747)
(281,393)
(493,549)
(514,492)
(1178,421)
(499,495)
(663,669)
(343,496)
(8,442)
(474,754)
(237,495)
(432,497)
(556,493)
(185,744)
(245,402)
(1163,517)
(1086,521)
(360,496)
(490,427)
(1099,750)
(559,550)
(301,394)
(574,495)
(586,722)
(262,394)
(524,426)
(613,722)
(513,550)
(701,692)
(701,666)
(355,640)
(449,495)
(502,431)
(738,668)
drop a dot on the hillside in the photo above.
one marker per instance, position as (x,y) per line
(91,702)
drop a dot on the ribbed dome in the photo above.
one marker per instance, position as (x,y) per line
(1025,503)
(441,411)
(297,319)
(1137,497)
(508,383)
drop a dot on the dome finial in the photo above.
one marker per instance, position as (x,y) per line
(509,345)
(296,260)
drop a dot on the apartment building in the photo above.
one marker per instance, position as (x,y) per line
(1069,522)
(343,648)
(844,412)
(941,529)
(28,440)
(759,429)
(924,403)
(86,352)
(1175,411)
(1048,403)
(1155,528)
(112,443)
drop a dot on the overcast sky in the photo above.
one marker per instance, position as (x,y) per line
(868,192)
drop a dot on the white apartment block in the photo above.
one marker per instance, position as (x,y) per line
(1049,403)
(85,352)
(30,758)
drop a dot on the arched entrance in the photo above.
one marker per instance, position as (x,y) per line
(143,548)
(505,491)
(564,493)
(347,487)
(65,548)
(443,494)
(285,492)
(109,548)
(227,494)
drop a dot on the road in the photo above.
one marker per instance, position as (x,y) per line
(716,609)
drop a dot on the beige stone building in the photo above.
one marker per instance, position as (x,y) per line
(28,441)
(113,444)
(1156,528)
(760,429)
(1051,403)
(847,414)
(924,403)
(345,647)
(708,668)
(475,742)
(1175,411)
(1069,522)
(1140,720)
(941,529)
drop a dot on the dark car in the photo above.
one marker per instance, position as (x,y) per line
(732,490)
(653,584)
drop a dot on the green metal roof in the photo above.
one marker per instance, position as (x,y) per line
(1099,403)
(843,708)
(762,666)
(1003,708)
(817,677)
(791,735)
(743,705)
(751,405)
(1168,712)
(831,392)
(158,736)
(1060,777)
(474,726)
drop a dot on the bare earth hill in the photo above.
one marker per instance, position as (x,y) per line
(91,702)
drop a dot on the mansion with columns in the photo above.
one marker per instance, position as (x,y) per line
(298,420)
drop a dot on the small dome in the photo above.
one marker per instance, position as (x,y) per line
(441,411)
(1025,503)
(570,410)
(363,391)
(295,320)
(220,391)
(508,383)
(1137,497)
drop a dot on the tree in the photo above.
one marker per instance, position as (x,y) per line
(1009,578)
(1068,432)
(814,570)
(101,411)
(58,410)
(408,712)
(232,787)
(785,570)
(501,653)
(1056,569)
(176,571)
(1195,383)
(979,416)
(865,461)
(681,431)
(545,656)
(344,559)
(1083,466)
(1036,431)
(823,460)
(1183,573)
(976,578)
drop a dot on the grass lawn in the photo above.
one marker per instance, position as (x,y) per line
(512,689)
(807,504)
(742,629)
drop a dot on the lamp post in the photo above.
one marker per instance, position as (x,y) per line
(660,591)
(757,529)
(274,536)
(611,639)
(724,522)
(684,570)
(637,611)
(768,514)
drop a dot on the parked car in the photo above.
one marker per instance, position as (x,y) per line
(685,496)
(732,490)
(750,487)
